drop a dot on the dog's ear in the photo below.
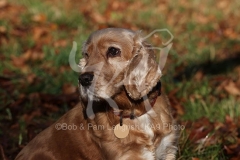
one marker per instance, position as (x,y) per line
(143,72)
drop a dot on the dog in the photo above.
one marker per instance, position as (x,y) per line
(122,113)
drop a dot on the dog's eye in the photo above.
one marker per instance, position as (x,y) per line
(113,52)
(85,55)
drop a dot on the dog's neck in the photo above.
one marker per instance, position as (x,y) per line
(129,108)
(126,106)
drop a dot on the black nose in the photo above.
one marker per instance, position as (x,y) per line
(86,79)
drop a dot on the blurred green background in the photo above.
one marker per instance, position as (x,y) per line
(201,76)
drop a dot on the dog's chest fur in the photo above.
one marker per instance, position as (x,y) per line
(157,150)
(146,125)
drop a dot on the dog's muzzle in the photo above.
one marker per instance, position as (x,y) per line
(85,79)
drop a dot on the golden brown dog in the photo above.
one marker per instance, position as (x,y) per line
(119,86)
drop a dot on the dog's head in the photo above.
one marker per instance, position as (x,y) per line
(114,59)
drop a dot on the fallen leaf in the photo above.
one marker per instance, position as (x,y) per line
(39,32)
(39,18)
(51,107)
(200,129)
(231,33)
(30,78)
(29,117)
(179,108)
(69,89)
(232,88)
(98,18)
(222,4)
(201,18)
(3,29)
(31,55)
(60,43)
(37,56)
(27,55)
(199,75)
(3,3)
(18,62)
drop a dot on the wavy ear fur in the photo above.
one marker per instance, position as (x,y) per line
(143,72)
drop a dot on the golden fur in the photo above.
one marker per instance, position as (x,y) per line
(125,83)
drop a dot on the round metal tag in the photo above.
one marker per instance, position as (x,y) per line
(121,131)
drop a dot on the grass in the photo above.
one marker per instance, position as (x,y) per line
(201,41)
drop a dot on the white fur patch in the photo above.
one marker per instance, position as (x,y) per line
(124,157)
(82,63)
(164,144)
(145,124)
(146,154)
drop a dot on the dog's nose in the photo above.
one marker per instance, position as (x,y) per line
(86,79)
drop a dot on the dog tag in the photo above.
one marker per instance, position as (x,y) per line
(121,131)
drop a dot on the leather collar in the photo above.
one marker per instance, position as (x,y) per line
(152,101)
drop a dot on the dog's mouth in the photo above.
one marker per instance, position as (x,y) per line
(91,93)
(86,92)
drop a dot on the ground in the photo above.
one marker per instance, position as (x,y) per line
(201,76)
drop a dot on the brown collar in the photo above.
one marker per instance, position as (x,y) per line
(152,101)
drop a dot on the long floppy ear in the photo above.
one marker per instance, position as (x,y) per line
(143,72)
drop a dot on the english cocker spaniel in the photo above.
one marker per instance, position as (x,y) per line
(122,114)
